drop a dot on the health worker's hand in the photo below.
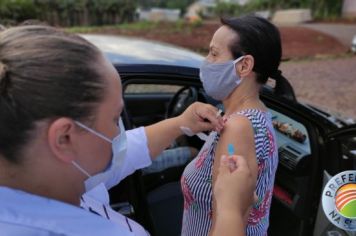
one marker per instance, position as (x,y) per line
(201,117)
(234,187)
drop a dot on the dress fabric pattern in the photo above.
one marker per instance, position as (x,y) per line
(196,180)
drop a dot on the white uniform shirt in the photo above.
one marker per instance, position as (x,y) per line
(22,213)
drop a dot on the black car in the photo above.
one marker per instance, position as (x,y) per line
(160,81)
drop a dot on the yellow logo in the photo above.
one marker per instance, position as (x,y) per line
(339,200)
(345,200)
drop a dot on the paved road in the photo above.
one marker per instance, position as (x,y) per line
(344,33)
(329,83)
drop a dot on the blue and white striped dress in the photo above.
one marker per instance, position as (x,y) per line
(196,180)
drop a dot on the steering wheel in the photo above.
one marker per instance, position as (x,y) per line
(181,100)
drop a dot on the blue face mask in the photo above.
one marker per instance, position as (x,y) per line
(219,79)
(119,147)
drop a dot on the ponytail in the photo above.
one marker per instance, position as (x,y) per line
(283,87)
(276,75)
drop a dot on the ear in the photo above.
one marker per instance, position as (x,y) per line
(61,139)
(245,66)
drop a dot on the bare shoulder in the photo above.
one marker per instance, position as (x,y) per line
(237,124)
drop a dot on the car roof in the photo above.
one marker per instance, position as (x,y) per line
(134,56)
(129,50)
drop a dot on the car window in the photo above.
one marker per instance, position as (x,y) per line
(151,88)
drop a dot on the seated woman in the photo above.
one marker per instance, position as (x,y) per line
(244,53)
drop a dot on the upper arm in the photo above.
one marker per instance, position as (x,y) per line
(239,132)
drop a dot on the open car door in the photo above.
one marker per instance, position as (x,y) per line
(342,146)
(305,153)
(154,92)
(151,94)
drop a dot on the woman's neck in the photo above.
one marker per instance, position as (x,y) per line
(243,97)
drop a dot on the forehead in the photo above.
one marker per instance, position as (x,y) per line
(108,72)
(113,83)
(223,37)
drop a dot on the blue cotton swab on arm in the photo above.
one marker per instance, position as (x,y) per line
(231,151)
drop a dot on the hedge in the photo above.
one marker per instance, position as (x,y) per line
(68,12)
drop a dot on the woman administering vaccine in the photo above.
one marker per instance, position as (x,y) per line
(62,142)
(244,53)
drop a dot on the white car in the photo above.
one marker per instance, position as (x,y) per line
(353,45)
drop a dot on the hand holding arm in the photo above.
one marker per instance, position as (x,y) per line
(233,201)
(197,117)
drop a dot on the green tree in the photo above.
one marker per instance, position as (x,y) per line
(17,10)
(172,4)
(326,8)
(321,9)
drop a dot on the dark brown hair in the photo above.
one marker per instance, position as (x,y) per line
(259,38)
(45,73)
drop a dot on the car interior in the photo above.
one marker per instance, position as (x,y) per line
(155,200)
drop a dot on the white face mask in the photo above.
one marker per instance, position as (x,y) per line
(220,79)
(119,147)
